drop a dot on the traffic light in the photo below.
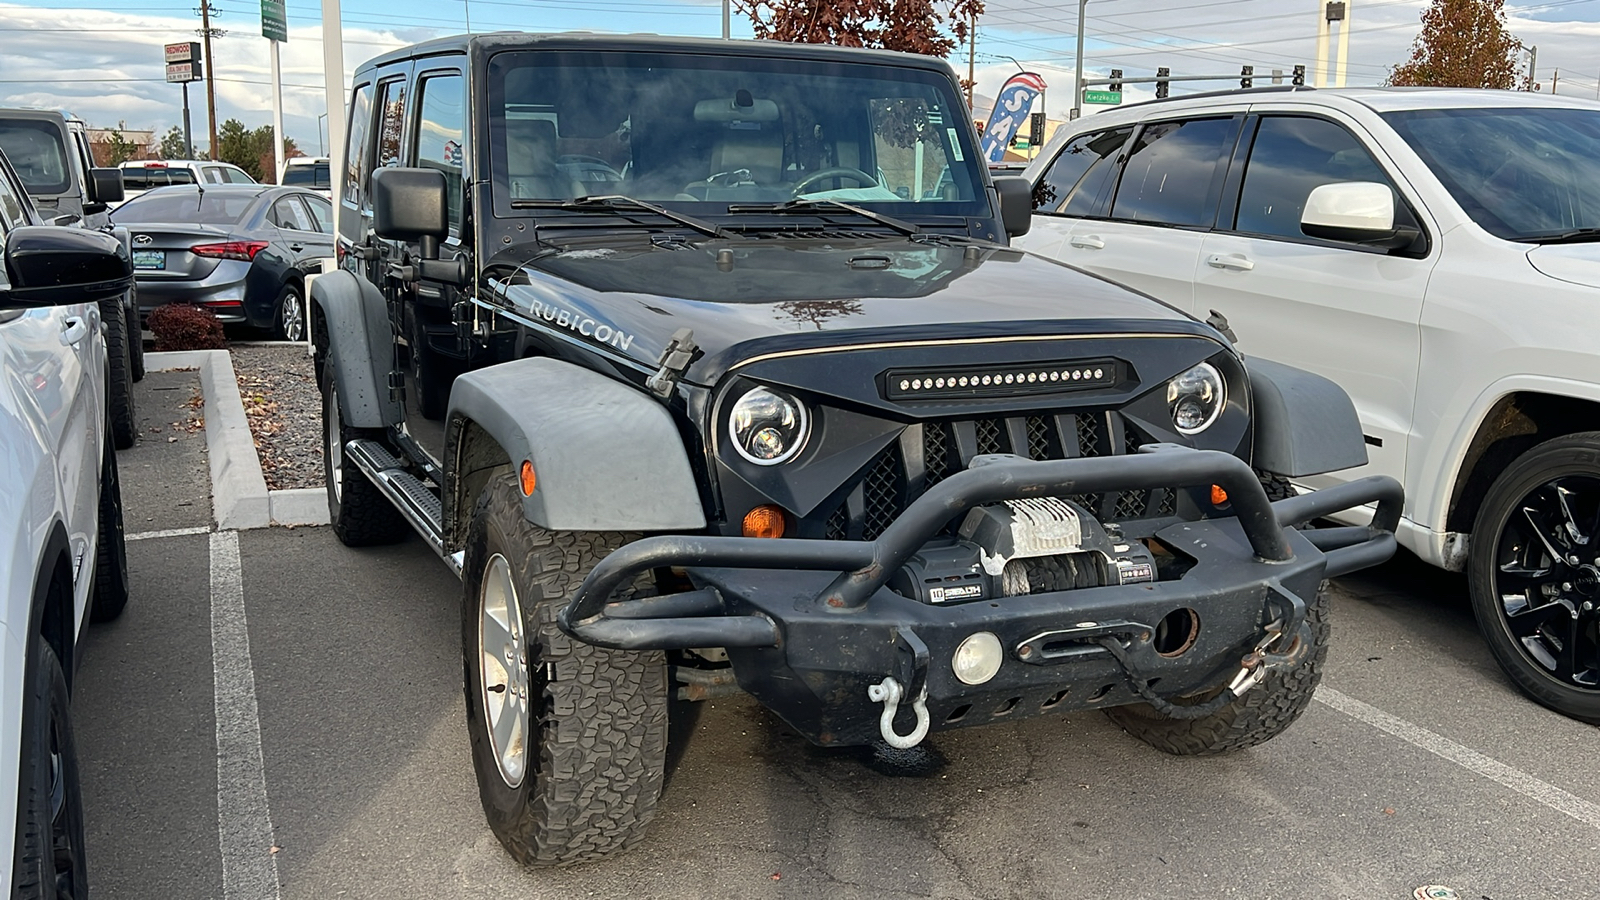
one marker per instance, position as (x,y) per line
(1299,79)
(1245,79)
(1161,82)
(1116,81)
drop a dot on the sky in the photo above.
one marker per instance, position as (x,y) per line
(102,61)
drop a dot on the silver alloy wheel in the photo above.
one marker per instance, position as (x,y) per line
(291,317)
(335,449)
(503,670)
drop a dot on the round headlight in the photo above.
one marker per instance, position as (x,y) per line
(1196,398)
(767,427)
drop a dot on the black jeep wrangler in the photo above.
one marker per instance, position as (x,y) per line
(707,366)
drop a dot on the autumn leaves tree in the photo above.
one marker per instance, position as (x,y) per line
(1463,43)
(929,27)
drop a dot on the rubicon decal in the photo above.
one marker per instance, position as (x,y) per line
(583,325)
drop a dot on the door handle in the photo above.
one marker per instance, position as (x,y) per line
(1088,242)
(1234,261)
(73,330)
(297,247)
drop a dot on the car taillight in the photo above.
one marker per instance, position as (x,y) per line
(240,250)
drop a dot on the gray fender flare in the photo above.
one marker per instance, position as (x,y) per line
(1305,424)
(606,456)
(360,347)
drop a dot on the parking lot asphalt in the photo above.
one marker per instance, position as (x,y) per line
(1418,764)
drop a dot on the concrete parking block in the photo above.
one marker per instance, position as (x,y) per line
(299,506)
(239,496)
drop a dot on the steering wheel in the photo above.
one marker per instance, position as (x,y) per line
(855,175)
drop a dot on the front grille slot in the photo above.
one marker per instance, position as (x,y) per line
(888,484)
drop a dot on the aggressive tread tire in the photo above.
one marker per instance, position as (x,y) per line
(1573,454)
(49,851)
(360,515)
(598,737)
(111,551)
(1276,486)
(119,374)
(1264,712)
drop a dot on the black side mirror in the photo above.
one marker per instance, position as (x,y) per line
(411,205)
(105,186)
(1016,204)
(49,266)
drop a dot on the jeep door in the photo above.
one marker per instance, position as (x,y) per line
(1147,232)
(1345,311)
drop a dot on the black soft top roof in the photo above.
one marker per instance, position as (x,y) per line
(484,44)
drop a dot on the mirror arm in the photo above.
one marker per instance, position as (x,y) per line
(428,246)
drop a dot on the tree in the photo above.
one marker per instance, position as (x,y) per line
(112,149)
(249,150)
(1463,43)
(172,145)
(911,26)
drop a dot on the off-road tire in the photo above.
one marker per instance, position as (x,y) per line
(1263,713)
(119,374)
(597,744)
(1573,454)
(361,516)
(49,842)
(1276,486)
(111,552)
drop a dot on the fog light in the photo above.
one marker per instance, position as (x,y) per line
(978,658)
(764,522)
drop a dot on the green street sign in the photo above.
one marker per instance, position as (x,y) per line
(274,20)
(1091,96)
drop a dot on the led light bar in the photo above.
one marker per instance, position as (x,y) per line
(999,381)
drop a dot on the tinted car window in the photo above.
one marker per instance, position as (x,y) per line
(1076,181)
(1167,178)
(11,214)
(321,213)
(37,153)
(289,213)
(213,174)
(440,134)
(312,176)
(389,131)
(204,208)
(1291,156)
(143,179)
(358,147)
(237,176)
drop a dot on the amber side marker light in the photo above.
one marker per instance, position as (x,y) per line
(764,522)
(1218,495)
(529,480)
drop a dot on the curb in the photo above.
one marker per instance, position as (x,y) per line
(239,495)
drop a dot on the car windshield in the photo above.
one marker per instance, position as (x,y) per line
(315,175)
(36,151)
(1522,174)
(701,133)
(144,178)
(178,205)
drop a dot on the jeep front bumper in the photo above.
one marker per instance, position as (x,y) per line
(810,626)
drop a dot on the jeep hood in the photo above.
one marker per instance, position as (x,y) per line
(745,298)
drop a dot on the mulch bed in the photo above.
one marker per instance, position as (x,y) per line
(284,408)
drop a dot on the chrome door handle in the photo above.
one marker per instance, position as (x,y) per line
(1234,261)
(1088,242)
(73,330)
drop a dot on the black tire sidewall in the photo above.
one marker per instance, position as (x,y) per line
(45,706)
(289,294)
(1575,454)
(111,560)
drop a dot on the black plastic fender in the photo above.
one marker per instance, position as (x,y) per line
(606,456)
(360,348)
(1304,423)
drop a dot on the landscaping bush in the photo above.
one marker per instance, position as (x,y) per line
(183,326)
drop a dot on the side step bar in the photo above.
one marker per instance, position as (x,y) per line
(415,500)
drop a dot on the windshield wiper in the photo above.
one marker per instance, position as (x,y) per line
(1573,236)
(813,204)
(618,201)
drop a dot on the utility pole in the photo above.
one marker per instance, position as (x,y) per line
(206,32)
(1554,80)
(1077,78)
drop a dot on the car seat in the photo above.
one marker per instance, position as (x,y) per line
(531,162)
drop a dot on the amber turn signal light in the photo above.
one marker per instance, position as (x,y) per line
(1218,495)
(529,480)
(764,522)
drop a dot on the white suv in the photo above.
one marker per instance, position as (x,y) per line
(1435,252)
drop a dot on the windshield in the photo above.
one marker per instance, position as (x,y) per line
(145,178)
(307,176)
(179,205)
(1522,174)
(37,153)
(699,133)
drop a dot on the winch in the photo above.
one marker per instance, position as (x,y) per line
(1028,546)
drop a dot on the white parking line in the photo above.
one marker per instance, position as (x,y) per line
(169,532)
(1465,757)
(244,820)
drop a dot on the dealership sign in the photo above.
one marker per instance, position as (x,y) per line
(274,20)
(183,62)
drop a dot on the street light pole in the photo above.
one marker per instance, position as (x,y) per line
(1077,81)
(322,147)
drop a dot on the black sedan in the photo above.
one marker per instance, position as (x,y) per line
(240,250)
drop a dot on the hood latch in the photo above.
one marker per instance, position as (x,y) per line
(674,362)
